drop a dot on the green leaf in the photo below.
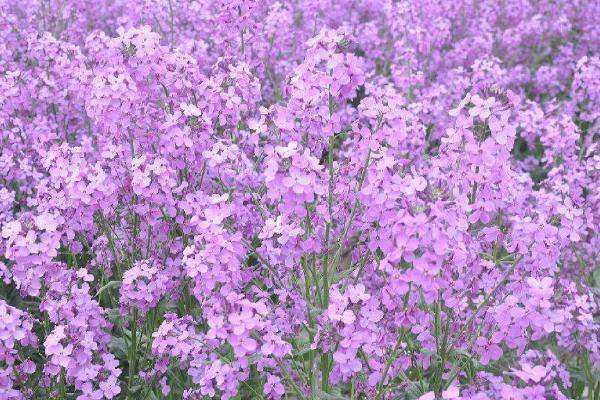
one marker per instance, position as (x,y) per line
(108,286)
(320,395)
(344,274)
(118,346)
(114,316)
(302,351)
(417,389)
(152,396)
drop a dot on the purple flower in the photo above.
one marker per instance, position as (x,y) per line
(488,351)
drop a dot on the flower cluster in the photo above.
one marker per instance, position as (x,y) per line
(16,332)
(143,285)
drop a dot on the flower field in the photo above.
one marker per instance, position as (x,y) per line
(300,199)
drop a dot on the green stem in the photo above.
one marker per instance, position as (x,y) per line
(325,356)
(443,347)
(325,372)
(291,382)
(388,364)
(133,349)
(62,387)
(328,228)
(111,244)
(336,258)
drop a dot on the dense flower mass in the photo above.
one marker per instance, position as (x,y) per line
(308,200)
